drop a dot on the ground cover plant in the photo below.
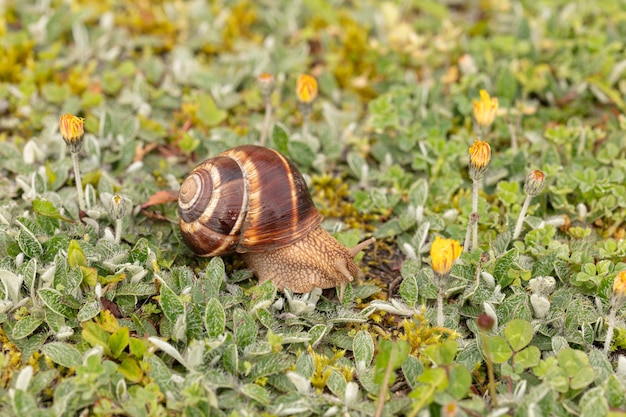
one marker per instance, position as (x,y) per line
(483,145)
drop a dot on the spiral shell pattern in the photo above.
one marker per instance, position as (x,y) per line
(247,199)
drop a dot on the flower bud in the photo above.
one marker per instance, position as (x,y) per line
(534,182)
(306,88)
(485,109)
(266,84)
(72,131)
(485,322)
(443,254)
(117,207)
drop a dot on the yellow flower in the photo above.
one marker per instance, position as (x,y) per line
(443,254)
(72,130)
(480,156)
(306,88)
(485,109)
(619,285)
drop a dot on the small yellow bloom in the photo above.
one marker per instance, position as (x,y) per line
(443,254)
(72,130)
(534,182)
(619,285)
(480,154)
(306,88)
(485,109)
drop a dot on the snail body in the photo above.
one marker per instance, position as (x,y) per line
(252,200)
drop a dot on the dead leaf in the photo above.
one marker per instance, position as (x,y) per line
(161,197)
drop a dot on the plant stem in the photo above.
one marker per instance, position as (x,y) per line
(266,122)
(475,210)
(118,230)
(383,390)
(609,331)
(522,216)
(513,133)
(305,127)
(490,374)
(79,182)
(440,318)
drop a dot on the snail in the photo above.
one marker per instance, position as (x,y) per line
(252,200)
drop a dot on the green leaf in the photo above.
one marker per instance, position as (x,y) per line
(582,378)
(518,333)
(170,303)
(390,354)
(54,300)
(412,368)
(88,311)
(208,112)
(89,275)
(63,354)
(244,326)
(46,208)
(527,358)
(215,272)
(593,403)
(25,326)
(572,361)
(96,336)
(317,332)
(460,381)
(336,383)
(214,318)
(24,403)
(257,393)
(269,364)
(409,290)
(75,255)
(363,349)
(118,341)
(502,267)
(230,359)
(557,377)
(137,347)
(29,244)
(280,139)
(448,351)
(131,370)
(301,153)
(136,289)
(435,377)
(499,349)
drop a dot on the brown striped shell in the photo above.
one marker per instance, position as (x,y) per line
(247,199)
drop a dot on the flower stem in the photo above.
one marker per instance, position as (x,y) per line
(118,230)
(383,390)
(305,127)
(490,374)
(475,210)
(522,216)
(609,332)
(440,318)
(266,122)
(79,182)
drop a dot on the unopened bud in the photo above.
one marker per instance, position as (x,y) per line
(534,182)
(485,322)
(266,84)
(117,207)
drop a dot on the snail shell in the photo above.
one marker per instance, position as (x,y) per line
(253,200)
